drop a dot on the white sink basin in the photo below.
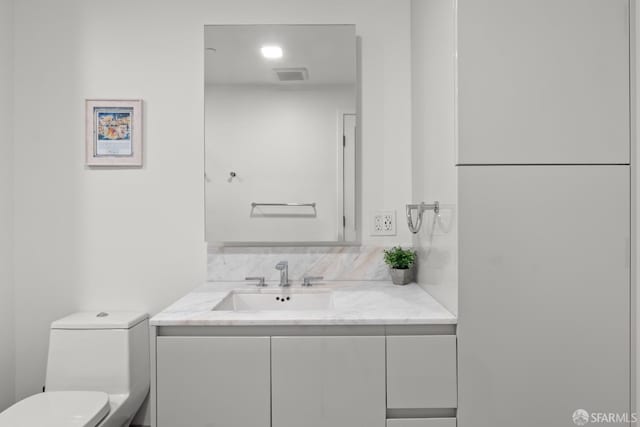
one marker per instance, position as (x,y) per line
(275,301)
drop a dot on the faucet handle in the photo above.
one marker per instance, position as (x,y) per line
(307,280)
(260,280)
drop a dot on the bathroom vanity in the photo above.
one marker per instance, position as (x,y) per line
(358,354)
(282,101)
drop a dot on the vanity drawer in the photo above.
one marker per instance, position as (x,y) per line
(421,372)
(424,422)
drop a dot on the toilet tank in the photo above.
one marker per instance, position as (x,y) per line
(93,351)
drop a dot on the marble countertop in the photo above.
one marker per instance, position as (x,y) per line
(354,303)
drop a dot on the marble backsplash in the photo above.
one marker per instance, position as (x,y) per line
(333,263)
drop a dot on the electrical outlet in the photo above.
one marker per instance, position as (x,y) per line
(383,223)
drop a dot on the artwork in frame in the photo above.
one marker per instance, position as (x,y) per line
(113,132)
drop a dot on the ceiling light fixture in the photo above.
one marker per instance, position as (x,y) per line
(271,52)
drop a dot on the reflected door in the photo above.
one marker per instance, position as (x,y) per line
(349,176)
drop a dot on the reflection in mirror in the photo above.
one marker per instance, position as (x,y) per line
(280,133)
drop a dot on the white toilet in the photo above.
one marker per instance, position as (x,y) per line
(97,373)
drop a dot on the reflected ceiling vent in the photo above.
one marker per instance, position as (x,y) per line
(291,74)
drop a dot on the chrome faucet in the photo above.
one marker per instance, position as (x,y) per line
(283,266)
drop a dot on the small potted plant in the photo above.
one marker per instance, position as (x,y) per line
(401,264)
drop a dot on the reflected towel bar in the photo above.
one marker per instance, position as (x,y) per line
(255,204)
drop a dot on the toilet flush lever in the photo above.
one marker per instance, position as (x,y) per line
(102,314)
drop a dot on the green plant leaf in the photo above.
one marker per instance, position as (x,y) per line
(399,258)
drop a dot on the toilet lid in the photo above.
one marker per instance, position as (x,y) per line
(58,409)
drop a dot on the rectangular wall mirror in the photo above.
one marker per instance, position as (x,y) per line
(281,126)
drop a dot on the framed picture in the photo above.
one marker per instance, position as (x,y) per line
(113,132)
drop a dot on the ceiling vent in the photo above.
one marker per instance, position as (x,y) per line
(291,74)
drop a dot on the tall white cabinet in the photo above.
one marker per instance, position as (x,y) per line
(544,294)
(543,81)
(544,211)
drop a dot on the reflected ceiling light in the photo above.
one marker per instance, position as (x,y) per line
(271,52)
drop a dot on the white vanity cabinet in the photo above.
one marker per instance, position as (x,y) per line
(304,376)
(213,382)
(328,381)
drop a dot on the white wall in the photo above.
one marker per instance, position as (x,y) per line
(434,174)
(134,239)
(283,144)
(7,343)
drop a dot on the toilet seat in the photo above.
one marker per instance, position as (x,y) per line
(58,409)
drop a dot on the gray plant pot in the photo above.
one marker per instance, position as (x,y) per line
(402,277)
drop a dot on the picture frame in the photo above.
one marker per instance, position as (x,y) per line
(113,132)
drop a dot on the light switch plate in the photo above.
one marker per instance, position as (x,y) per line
(383,223)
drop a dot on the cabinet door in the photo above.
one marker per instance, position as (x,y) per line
(544,294)
(213,381)
(421,372)
(543,81)
(328,381)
